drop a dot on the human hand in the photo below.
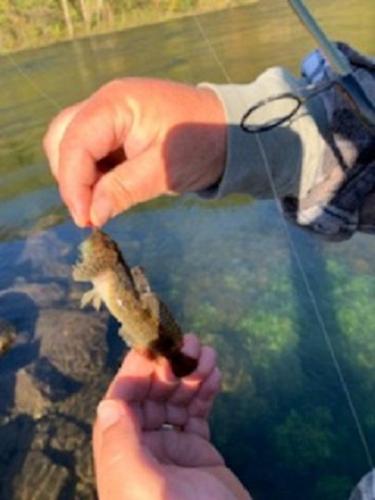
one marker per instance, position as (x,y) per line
(136,458)
(133,140)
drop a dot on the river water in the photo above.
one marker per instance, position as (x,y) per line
(295,419)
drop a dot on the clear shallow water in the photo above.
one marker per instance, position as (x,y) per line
(284,421)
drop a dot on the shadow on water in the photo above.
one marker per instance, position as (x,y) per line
(286,427)
(322,430)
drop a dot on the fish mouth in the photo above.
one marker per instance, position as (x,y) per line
(83,252)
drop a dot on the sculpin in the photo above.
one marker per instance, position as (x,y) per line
(146,323)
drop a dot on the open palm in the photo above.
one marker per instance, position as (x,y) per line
(160,448)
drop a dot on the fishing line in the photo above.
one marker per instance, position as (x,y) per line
(295,253)
(300,266)
(31,82)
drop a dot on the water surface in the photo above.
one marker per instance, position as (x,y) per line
(295,419)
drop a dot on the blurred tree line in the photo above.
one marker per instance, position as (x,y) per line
(29,23)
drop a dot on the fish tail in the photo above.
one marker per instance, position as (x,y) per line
(182,364)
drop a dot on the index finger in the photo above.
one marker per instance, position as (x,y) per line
(55,133)
(90,136)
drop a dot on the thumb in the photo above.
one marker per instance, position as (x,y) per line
(133,181)
(124,468)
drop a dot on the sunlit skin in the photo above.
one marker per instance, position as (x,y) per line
(133,140)
(136,459)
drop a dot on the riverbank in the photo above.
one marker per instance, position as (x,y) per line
(33,26)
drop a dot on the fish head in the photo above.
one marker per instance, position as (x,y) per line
(98,254)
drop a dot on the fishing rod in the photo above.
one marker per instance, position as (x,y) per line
(344,80)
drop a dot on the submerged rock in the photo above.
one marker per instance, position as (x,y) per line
(39,478)
(73,439)
(49,458)
(74,342)
(45,254)
(7,392)
(28,397)
(16,435)
(42,294)
(7,336)
(45,442)
(39,385)
(46,459)
(20,310)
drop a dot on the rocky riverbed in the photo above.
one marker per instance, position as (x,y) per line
(52,378)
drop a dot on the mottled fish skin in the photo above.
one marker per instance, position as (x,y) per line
(146,323)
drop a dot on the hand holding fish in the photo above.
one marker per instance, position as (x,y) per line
(133,140)
(151,437)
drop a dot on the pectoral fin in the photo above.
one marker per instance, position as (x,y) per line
(147,298)
(91,297)
(140,281)
(151,303)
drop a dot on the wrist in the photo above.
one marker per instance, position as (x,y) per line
(215,120)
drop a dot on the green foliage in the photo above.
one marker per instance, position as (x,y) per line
(178,5)
(31,23)
(356,317)
(305,440)
(333,487)
(267,335)
(23,21)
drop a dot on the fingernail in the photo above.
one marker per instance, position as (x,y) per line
(109,413)
(102,211)
(77,217)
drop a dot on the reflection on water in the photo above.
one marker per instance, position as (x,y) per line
(284,420)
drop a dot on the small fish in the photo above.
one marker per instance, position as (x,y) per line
(147,325)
